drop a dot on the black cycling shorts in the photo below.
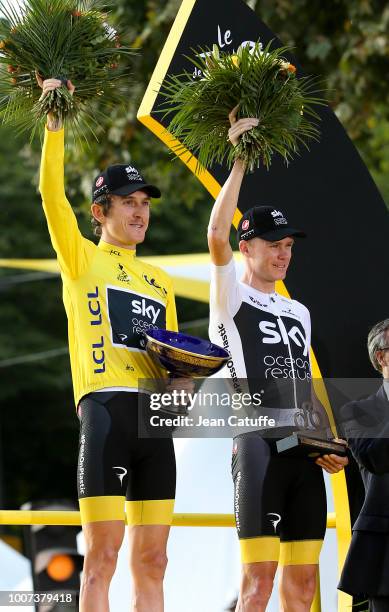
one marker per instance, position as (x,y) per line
(117,470)
(279,502)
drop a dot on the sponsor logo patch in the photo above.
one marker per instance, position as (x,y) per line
(278,217)
(153,283)
(120,472)
(274,519)
(255,301)
(132,314)
(276,213)
(247,234)
(133,175)
(123,276)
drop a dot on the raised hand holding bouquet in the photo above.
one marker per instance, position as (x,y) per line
(69,40)
(262,84)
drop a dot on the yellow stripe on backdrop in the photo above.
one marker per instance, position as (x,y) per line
(41,265)
(184,286)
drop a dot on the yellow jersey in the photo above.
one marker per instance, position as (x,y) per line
(110,296)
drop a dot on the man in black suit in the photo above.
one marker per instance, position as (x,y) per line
(366,570)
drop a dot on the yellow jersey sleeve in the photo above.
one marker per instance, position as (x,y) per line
(72,249)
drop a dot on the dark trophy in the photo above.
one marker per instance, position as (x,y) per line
(302,443)
(184,357)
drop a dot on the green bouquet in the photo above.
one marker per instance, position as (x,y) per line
(263,85)
(64,39)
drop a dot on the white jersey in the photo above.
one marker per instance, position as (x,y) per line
(267,335)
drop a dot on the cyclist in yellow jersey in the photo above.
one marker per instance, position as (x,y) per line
(111,298)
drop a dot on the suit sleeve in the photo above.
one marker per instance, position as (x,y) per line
(372,453)
(70,246)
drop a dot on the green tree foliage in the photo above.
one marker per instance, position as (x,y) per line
(36,416)
(346,42)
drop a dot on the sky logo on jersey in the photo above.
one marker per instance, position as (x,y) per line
(273,333)
(146,309)
(131,314)
(274,347)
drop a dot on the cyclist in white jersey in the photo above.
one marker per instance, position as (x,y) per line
(280,505)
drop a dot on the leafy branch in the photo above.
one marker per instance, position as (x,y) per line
(66,39)
(263,85)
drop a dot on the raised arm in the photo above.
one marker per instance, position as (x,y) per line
(70,246)
(224,208)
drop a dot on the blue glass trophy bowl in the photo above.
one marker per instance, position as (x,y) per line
(184,356)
